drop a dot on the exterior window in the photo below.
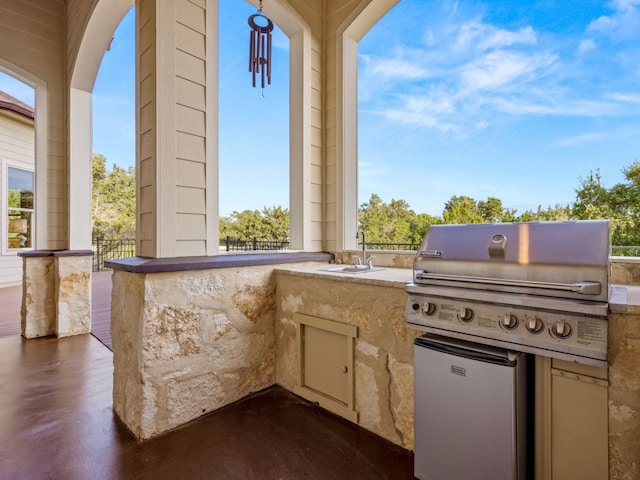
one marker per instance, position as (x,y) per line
(20,211)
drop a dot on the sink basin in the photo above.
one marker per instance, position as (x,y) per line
(351,269)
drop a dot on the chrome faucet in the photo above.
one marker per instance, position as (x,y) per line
(364,261)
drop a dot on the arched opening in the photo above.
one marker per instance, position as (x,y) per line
(496,110)
(95,42)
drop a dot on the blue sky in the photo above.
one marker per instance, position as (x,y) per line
(515,100)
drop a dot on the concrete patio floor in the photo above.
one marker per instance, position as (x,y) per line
(57,422)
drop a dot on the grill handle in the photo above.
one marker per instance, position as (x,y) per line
(584,288)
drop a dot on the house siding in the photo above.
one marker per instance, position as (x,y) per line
(32,38)
(16,150)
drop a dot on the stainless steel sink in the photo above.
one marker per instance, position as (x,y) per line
(351,269)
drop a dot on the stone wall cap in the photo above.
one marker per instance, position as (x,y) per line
(73,253)
(55,253)
(176,264)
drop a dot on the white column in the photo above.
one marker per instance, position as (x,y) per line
(80,153)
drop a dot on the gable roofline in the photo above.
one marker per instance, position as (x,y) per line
(7,102)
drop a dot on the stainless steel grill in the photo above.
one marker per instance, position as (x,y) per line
(534,287)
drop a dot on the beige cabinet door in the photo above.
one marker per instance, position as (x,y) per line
(579,427)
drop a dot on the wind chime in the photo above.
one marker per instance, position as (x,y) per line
(260,47)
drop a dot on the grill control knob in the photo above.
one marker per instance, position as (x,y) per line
(465,314)
(534,324)
(429,309)
(561,329)
(509,321)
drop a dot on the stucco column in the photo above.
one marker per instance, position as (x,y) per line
(177,128)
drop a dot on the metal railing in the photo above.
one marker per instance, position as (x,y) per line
(625,250)
(114,249)
(391,246)
(229,244)
(104,250)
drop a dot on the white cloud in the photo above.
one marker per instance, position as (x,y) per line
(476,72)
(586,45)
(623,23)
(420,118)
(580,140)
(566,107)
(501,67)
(499,38)
(394,68)
(625,97)
(476,35)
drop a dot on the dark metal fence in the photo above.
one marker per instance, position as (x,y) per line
(113,249)
(392,246)
(230,244)
(104,250)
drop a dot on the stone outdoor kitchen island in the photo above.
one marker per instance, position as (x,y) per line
(189,342)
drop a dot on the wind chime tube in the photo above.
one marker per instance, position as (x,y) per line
(269,58)
(251,51)
(263,60)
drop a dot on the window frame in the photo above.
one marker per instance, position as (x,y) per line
(6,249)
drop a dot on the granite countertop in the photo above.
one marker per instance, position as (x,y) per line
(622,298)
(381,276)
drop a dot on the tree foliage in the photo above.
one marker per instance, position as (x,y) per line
(392,222)
(114,192)
(270,223)
(113,214)
(620,204)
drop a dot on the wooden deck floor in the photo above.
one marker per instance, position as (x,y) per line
(56,421)
(11,299)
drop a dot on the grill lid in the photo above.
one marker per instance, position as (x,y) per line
(560,259)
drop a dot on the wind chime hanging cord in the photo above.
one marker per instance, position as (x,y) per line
(260,47)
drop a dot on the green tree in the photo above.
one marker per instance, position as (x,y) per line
(266,224)
(557,213)
(393,222)
(113,195)
(619,204)
(462,209)
(492,211)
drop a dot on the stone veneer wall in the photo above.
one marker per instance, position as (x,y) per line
(624,395)
(624,374)
(186,343)
(38,310)
(56,293)
(189,342)
(383,348)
